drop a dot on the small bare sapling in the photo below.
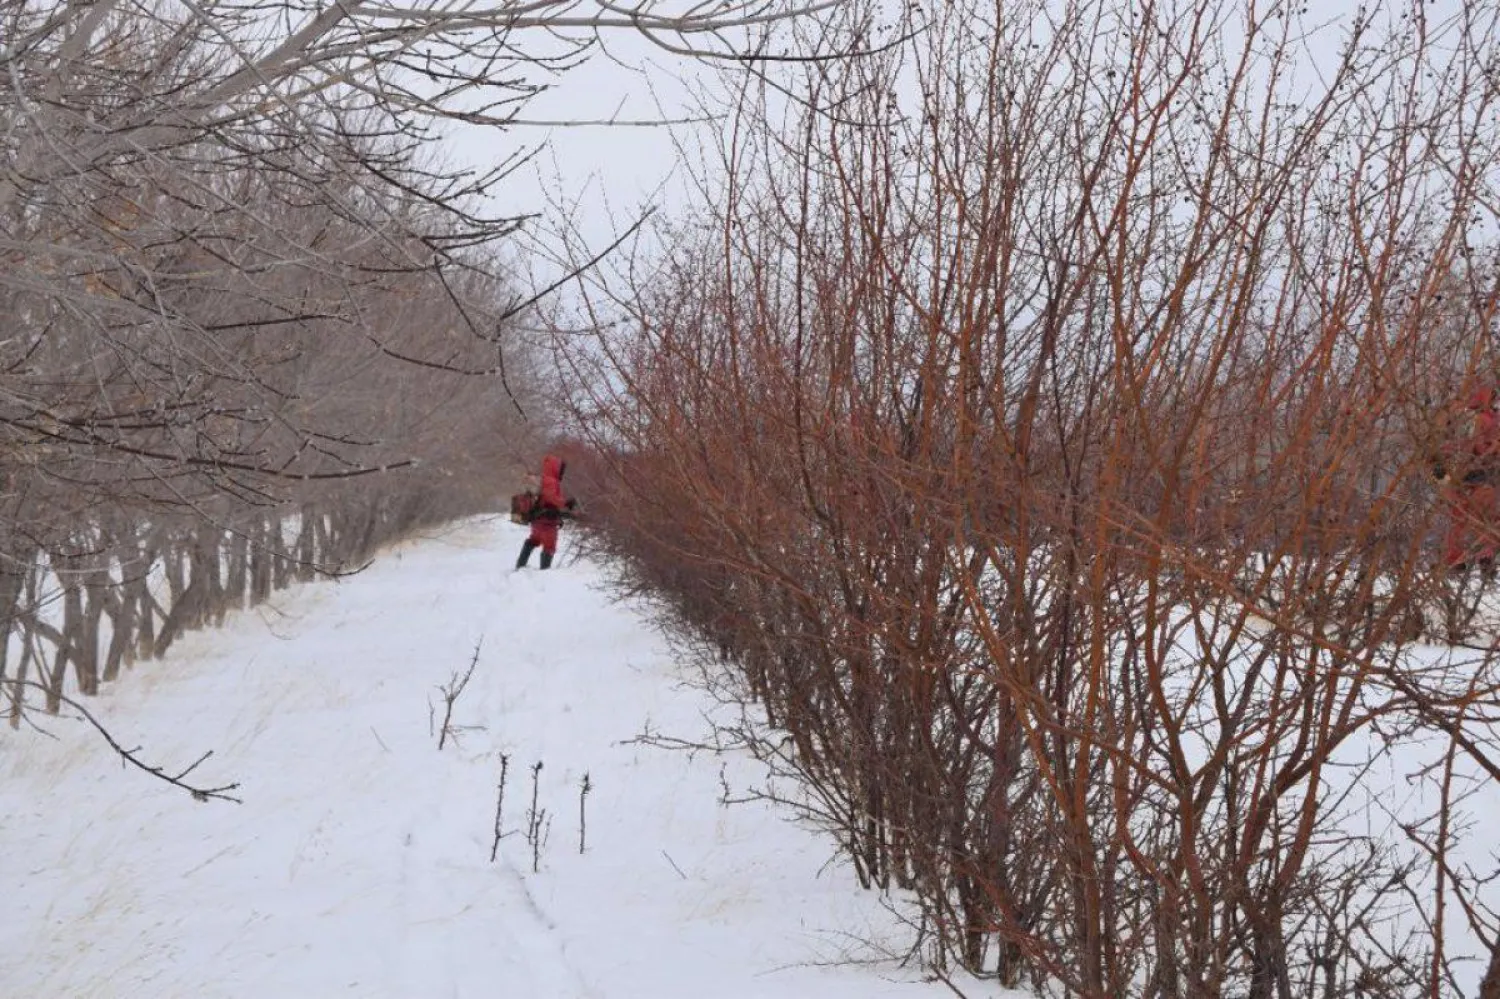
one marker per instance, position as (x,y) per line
(583,794)
(499,807)
(535,818)
(451,692)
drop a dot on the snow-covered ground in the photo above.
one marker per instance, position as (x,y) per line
(358,864)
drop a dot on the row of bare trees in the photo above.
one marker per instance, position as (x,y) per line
(250,326)
(1040,429)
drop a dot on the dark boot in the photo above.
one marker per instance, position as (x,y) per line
(526,554)
(546,559)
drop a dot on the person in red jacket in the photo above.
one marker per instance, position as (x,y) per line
(1469,473)
(552,505)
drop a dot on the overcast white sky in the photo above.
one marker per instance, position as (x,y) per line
(601,176)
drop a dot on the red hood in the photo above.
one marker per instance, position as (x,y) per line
(1481,398)
(552,490)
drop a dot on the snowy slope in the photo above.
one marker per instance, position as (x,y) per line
(358,864)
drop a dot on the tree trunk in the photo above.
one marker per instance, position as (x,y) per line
(73,645)
(260,562)
(1489,988)
(325,541)
(12,583)
(281,566)
(237,584)
(190,609)
(307,556)
(55,676)
(144,617)
(95,587)
(18,690)
(208,569)
(120,608)
(172,567)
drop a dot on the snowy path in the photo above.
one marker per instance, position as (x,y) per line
(359,863)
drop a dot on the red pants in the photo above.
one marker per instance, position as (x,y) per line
(1473,533)
(544,533)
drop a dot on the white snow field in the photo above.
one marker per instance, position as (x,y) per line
(358,864)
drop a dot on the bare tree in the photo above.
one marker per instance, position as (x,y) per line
(1041,433)
(241,299)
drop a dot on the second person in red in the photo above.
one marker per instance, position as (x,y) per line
(1469,473)
(551,507)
